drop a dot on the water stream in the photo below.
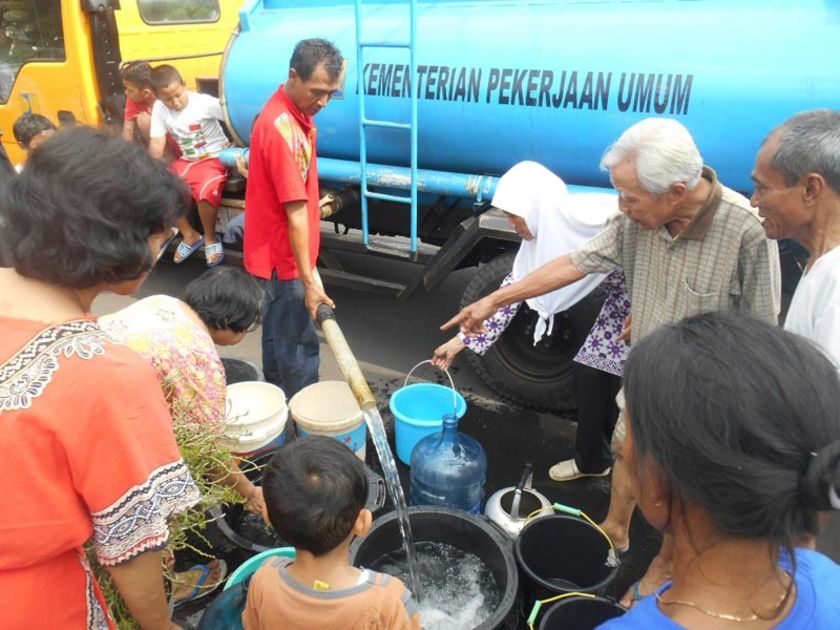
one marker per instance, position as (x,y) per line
(392,481)
(460,591)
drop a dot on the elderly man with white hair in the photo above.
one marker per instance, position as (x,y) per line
(687,245)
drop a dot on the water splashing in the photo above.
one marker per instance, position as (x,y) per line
(392,481)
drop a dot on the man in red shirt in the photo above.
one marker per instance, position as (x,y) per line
(282,221)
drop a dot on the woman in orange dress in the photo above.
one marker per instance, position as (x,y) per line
(87,450)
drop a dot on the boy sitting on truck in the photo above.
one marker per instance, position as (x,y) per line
(315,490)
(139,98)
(193,120)
(30,130)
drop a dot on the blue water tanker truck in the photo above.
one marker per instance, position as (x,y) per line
(440,98)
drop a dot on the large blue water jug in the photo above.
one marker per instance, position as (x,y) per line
(449,469)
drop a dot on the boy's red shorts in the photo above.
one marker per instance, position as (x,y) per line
(206,178)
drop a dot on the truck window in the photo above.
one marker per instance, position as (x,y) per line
(169,11)
(29,30)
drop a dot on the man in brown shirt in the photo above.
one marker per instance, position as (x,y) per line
(687,245)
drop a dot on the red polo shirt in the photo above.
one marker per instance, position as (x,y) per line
(281,169)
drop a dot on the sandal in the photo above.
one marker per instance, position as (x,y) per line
(185,250)
(214,249)
(201,588)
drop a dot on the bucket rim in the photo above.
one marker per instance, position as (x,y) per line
(250,566)
(263,384)
(541,522)
(347,413)
(345,425)
(600,599)
(460,408)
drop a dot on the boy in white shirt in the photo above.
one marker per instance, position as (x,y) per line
(193,120)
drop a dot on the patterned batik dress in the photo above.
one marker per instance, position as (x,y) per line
(86,452)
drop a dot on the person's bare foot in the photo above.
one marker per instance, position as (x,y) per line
(657,574)
(184,582)
(620,536)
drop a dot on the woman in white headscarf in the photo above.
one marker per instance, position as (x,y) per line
(551,222)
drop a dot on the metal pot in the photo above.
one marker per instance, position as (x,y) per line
(509,508)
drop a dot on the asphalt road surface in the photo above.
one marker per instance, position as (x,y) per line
(388,337)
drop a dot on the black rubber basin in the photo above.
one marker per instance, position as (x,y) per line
(562,554)
(470,533)
(580,613)
(240,370)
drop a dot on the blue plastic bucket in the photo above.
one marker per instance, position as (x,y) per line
(419,409)
(253,563)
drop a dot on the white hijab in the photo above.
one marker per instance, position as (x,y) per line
(560,222)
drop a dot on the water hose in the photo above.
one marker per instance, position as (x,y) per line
(344,357)
(612,557)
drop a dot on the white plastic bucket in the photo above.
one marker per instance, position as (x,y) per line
(256,416)
(329,408)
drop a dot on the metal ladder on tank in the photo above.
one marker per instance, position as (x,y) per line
(411,127)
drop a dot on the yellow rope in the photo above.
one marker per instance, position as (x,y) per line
(603,533)
(538,510)
(583,514)
(551,600)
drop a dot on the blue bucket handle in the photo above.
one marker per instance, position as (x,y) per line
(451,383)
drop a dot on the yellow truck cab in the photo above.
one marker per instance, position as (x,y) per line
(61,58)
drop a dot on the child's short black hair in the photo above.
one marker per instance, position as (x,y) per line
(138,73)
(163,76)
(226,298)
(30,125)
(314,489)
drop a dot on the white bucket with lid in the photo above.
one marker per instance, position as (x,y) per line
(256,416)
(329,408)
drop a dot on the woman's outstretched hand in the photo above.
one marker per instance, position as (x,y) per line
(471,318)
(445,353)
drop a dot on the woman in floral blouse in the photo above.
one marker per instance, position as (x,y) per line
(550,222)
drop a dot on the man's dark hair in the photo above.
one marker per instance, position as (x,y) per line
(83,209)
(163,76)
(226,298)
(310,53)
(742,418)
(30,125)
(138,73)
(314,489)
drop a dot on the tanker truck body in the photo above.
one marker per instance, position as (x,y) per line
(498,82)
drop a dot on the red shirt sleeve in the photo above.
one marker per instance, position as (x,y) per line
(282,164)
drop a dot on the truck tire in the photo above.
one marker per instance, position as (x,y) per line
(538,376)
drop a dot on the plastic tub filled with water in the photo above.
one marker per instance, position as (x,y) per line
(467,572)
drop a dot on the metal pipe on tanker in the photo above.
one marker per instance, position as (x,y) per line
(479,187)
(501,81)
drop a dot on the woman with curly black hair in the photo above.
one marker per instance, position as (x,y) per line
(87,449)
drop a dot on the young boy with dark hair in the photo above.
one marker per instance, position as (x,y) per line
(30,130)
(315,490)
(139,99)
(193,120)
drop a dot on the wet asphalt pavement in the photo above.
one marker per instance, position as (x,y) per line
(388,338)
